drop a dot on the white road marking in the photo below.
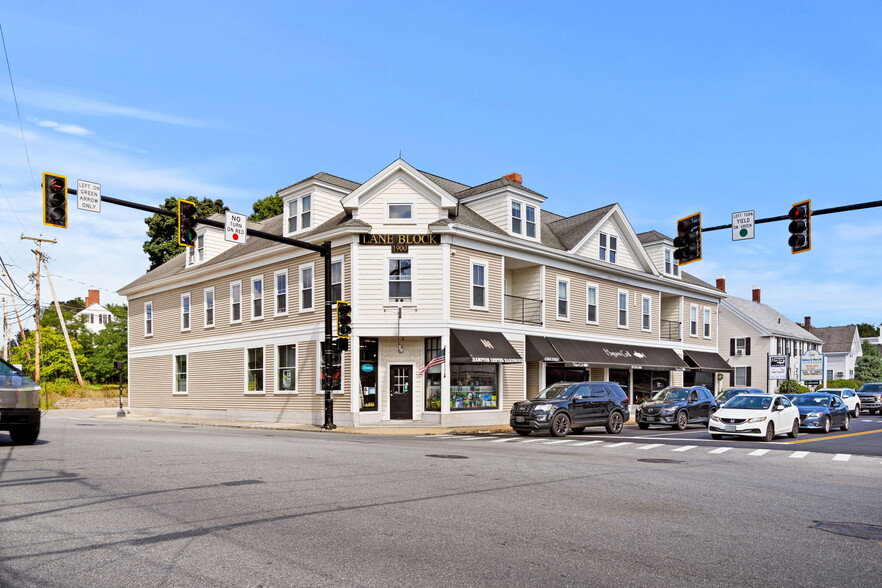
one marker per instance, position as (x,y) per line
(799,454)
(556,442)
(617,444)
(650,446)
(685,448)
(759,452)
(505,439)
(587,443)
(531,440)
(720,450)
(842,457)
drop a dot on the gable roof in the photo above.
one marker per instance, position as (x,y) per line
(837,339)
(495,184)
(571,230)
(652,237)
(767,319)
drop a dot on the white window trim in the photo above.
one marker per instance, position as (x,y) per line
(311,267)
(293,208)
(200,248)
(149,323)
(400,221)
(643,299)
(524,205)
(175,391)
(743,347)
(188,313)
(413,282)
(693,308)
(588,286)
(743,369)
(557,299)
(262,298)
(319,389)
(707,323)
(670,261)
(263,369)
(619,309)
(486,266)
(512,217)
(277,367)
(276,275)
(236,283)
(341,259)
(205,323)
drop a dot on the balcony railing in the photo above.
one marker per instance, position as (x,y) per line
(670,330)
(526,311)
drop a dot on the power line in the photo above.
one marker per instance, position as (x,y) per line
(18,112)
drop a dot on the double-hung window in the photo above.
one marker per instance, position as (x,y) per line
(479,285)
(693,320)
(516,220)
(286,372)
(299,214)
(591,304)
(236,302)
(646,307)
(608,247)
(563,299)
(148,319)
(336,280)
(180,374)
(254,369)
(531,220)
(306,287)
(671,266)
(209,307)
(256,298)
(623,309)
(185,312)
(707,323)
(523,219)
(281,294)
(400,279)
(200,248)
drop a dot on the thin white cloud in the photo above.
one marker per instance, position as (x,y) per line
(65,128)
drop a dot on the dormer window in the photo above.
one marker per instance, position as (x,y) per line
(671,266)
(608,247)
(523,219)
(299,213)
(197,252)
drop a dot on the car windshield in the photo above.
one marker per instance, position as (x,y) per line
(6,368)
(871,388)
(726,395)
(810,400)
(671,395)
(750,402)
(555,391)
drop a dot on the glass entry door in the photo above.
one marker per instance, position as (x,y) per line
(401,392)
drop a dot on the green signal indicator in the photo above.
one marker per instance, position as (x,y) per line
(743,233)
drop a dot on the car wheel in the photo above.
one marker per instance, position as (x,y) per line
(846,424)
(615,423)
(794,432)
(716,437)
(560,425)
(682,420)
(826,428)
(643,426)
(857,411)
(770,432)
(24,435)
(522,432)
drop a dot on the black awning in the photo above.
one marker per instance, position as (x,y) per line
(616,354)
(481,347)
(539,349)
(707,361)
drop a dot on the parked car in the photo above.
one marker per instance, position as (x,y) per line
(821,411)
(848,396)
(725,395)
(572,405)
(677,406)
(870,395)
(756,415)
(19,405)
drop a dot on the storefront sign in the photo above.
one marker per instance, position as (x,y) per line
(399,242)
(811,365)
(367,367)
(777,367)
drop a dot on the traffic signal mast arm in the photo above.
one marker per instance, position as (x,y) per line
(771,219)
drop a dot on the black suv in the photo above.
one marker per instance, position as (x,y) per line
(677,406)
(575,405)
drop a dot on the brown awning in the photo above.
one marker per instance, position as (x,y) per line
(707,361)
(616,354)
(539,349)
(481,347)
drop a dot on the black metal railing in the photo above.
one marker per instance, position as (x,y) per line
(670,330)
(526,311)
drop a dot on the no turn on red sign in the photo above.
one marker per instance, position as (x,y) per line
(234,227)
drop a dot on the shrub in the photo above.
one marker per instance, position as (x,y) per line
(791,387)
(853,384)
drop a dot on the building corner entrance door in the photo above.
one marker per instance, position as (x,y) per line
(401,392)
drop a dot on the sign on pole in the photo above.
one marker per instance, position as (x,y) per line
(811,366)
(234,227)
(777,367)
(88,196)
(742,225)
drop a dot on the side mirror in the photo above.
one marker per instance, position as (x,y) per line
(779,407)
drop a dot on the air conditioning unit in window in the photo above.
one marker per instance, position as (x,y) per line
(739,352)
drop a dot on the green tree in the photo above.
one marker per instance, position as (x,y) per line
(867,330)
(869,366)
(267,207)
(69,308)
(162,231)
(55,360)
(110,345)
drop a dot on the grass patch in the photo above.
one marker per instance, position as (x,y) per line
(57,389)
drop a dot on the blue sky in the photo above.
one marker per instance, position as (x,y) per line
(664,107)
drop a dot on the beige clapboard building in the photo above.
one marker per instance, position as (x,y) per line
(509,297)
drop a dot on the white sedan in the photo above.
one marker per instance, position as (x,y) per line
(755,415)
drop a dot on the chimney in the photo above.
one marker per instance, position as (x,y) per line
(808,323)
(93,297)
(516,178)
(721,283)
(756,294)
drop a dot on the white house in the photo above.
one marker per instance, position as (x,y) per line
(95,315)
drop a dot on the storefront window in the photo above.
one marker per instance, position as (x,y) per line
(562,373)
(367,369)
(648,382)
(474,386)
(432,376)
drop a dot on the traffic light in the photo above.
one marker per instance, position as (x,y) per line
(186,223)
(688,239)
(54,200)
(800,227)
(344,321)
(341,345)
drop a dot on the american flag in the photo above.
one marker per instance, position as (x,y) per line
(437,360)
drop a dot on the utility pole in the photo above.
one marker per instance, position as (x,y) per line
(73,357)
(5,324)
(39,253)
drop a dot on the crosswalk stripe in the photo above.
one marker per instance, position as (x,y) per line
(799,454)
(842,457)
(504,440)
(587,443)
(685,448)
(759,452)
(720,450)
(650,446)
(531,440)
(556,442)
(476,438)
(618,444)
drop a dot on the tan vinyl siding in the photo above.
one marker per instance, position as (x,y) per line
(150,381)
(624,255)
(534,372)
(699,340)
(513,379)
(461,285)
(496,210)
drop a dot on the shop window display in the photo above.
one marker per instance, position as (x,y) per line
(474,386)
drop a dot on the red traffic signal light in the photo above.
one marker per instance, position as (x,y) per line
(55,200)
(800,227)
(186,223)
(688,239)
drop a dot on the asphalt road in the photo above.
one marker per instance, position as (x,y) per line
(121,503)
